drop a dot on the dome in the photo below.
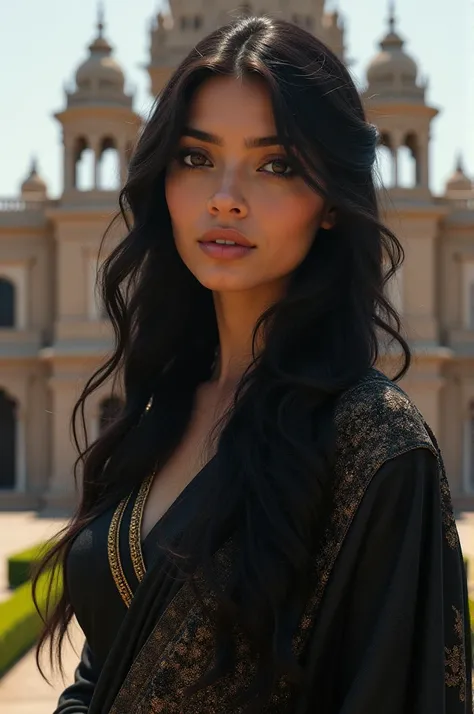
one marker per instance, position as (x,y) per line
(459,181)
(392,63)
(34,184)
(100,70)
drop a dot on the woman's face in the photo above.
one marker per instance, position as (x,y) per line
(231,181)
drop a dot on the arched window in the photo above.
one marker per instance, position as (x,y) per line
(408,164)
(384,172)
(109,166)
(109,409)
(7,441)
(84,162)
(7,303)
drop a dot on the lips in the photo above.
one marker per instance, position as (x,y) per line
(226,234)
(225,244)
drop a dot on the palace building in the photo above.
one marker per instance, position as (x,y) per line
(53,332)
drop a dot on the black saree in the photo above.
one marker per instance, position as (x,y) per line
(386,627)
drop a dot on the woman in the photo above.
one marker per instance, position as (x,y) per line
(267,526)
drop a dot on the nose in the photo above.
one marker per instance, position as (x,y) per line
(227,201)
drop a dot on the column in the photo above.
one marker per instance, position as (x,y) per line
(395,166)
(423,162)
(60,495)
(20,455)
(96,148)
(68,165)
(396,139)
(123,161)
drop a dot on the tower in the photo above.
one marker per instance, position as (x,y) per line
(395,102)
(98,117)
(174,35)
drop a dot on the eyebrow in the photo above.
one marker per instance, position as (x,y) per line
(250,142)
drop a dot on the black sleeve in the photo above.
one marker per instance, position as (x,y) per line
(77,697)
(406,642)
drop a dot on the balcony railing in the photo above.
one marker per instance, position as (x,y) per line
(18,204)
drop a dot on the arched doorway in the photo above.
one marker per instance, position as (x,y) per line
(7,303)
(7,441)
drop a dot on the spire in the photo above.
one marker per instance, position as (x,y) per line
(391,19)
(392,40)
(34,186)
(459,181)
(100,76)
(100,45)
(392,69)
(100,18)
(34,166)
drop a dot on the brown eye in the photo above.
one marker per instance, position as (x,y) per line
(279,167)
(195,159)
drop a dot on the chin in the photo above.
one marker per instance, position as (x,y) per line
(220,283)
(226,286)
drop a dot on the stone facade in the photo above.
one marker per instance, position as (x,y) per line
(52,329)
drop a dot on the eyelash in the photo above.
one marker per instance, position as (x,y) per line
(183,153)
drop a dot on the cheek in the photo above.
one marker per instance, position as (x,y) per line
(292,223)
(183,203)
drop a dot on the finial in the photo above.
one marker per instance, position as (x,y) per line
(100,17)
(34,165)
(392,15)
(459,163)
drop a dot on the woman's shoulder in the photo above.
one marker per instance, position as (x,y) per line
(376,421)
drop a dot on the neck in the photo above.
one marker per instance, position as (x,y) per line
(237,314)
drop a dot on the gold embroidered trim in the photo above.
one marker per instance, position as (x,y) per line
(113,541)
(136,552)
(455,658)
(113,551)
(375,422)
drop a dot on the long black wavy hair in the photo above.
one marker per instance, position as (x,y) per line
(275,448)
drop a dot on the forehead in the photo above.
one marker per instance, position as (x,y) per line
(228,103)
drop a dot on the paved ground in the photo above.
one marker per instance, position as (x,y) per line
(22,690)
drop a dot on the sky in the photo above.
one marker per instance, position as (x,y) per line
(42,42)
